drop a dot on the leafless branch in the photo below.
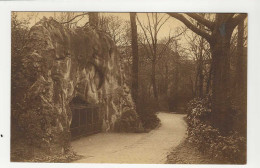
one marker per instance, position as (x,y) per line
(237,19)
(74,18)
(192,27)
(201,20)
(146,37)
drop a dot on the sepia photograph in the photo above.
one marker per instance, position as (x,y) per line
(132,87)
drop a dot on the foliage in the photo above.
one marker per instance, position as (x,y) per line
(149,119)
(26,120)
(186,153)
(19,39)
(33,115)
(22,152)
(35,123)
(208,139)
(128,122)
(118,29)
(147,109)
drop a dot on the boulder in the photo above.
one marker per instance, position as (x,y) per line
(62,64)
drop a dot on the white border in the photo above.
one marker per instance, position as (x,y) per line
(249,6)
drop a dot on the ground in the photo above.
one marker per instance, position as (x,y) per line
(186,153)
(152,147)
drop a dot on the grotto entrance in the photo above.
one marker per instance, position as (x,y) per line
(86,119)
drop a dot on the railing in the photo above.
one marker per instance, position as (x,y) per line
(86,120)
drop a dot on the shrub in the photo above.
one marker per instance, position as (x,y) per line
(147,112)
(208,139)
(128,122)
(150,120)
(147,109)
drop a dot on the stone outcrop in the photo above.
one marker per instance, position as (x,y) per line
(66,63)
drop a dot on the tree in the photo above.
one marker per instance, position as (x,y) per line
(93,19)
(135,63)
(19,40)
(117,28)
(240,71)
(70,19)
(198,48)
(241,78)
(155,23)
(218,35)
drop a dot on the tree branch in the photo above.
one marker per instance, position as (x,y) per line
(146,37)
(163,23)
(149,29)
(237,19)
(74,18)
(201,20)
(229,16)
(192,27)
(146,49)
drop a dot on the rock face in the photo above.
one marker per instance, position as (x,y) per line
(63,64)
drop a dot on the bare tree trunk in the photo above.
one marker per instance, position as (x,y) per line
(192,90)
(154,80)
(200,69)
(201,80)
(176,79)
(166,80)
(134,45)
(93,19)
(208,87)
(151,36)
(196,83)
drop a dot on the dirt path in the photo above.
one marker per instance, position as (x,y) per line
(151,147)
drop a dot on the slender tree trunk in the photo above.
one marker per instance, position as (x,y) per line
(176,80)
(196,83)
(201,80)
(166,80)
(200,69)
(176,77)
(192,90)
(208,87)
(135,63)
(154,80)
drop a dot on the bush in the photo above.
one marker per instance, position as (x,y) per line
(128,122)
(147,109)
(208,139)
(150,120)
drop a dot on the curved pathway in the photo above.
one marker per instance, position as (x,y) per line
(151,147)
